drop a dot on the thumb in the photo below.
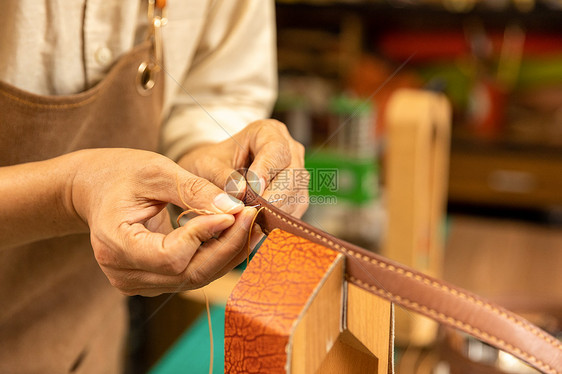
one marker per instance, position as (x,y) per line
(170,254)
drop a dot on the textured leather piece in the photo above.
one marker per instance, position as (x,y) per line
(433,298)
(259,321)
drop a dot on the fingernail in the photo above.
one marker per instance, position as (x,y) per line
(227,204)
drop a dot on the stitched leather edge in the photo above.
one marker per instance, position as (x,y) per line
(454,322)
(439,316)
(427,281)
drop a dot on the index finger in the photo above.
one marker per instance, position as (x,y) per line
(169,182)
(272,154)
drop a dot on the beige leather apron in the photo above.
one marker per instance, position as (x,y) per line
(58,312)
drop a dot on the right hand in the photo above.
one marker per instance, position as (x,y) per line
(122,194)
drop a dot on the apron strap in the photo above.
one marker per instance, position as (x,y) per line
(157,18)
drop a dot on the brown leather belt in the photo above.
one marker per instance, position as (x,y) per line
(438,300)
(467,355)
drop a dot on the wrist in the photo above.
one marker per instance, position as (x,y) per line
(45,189)
(73,196)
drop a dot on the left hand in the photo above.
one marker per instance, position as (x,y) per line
(267,149)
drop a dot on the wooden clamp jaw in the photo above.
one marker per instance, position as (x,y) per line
(292,312)
(418,124)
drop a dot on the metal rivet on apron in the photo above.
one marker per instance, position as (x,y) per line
(145,80)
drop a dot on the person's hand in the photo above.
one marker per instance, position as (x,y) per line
(122,194)
(274,160)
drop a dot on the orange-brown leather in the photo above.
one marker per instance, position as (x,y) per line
(431,297)
(59,313)
(257,330)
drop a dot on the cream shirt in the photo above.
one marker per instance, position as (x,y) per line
(219,57)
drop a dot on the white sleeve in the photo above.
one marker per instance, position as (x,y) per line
(232,79)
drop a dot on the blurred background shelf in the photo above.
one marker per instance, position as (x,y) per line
(499,63)
(505,174)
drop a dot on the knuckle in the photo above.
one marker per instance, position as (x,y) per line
(103,256)
(194,186)
(271,123)
(300,148)
(282,128)
(150,173)
(285,156)
(272,167)
(195,237)
(149,170)
(120,284)
(280,155)
(217,175)
(197,278)
(277,124)
(174,266)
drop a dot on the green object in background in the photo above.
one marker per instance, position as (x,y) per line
(353,180)
(191,353)
(540,71)
(350,106)
(456,78)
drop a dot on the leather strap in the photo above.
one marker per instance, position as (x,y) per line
(423,294)
(455,347)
